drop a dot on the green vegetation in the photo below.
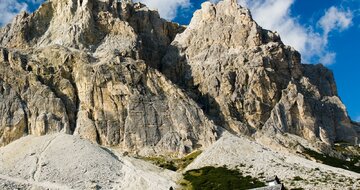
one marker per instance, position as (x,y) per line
(297,178)
(211,178)
(183,162)
(347,149)
(162,162)
(173,164)
(335,162)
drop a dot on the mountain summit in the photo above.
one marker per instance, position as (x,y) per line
(88,68)
(249,81)
(115,73)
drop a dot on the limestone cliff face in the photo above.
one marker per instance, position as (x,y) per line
(96,26)
(87,67)
(117,74)
(247,80)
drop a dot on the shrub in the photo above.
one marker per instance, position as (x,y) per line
(335,162)
(173,164)
(221,178)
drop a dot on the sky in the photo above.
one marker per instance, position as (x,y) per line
(323,31)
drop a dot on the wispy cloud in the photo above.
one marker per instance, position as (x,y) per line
(276,15)
(10,8)
(335,19)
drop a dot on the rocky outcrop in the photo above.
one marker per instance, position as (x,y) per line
(129,104)
(28,105)
(239,69)
(117,74)
(96,26)
(93,75)
(246,79)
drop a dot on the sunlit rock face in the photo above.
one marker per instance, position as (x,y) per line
(117,74)
(247,80)
(89,68)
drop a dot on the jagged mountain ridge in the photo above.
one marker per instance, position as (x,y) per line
(101,69)
(86,76)
(246,76)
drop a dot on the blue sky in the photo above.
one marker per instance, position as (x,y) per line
(326,31)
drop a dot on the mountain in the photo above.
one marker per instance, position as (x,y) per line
(88,68)
(248,80)
(116,74)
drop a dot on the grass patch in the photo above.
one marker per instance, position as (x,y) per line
(173,164)
(221,178)
(335,162)
(297,178)
(161,162)
(183,162)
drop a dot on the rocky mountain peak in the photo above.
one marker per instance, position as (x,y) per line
(99,86)
(241,73)
(86,68)
(96,26)
(117,74)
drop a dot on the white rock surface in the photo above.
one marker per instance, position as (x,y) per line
(251,158)
(68,162)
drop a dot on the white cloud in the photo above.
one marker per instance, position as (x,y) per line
(335,19)
(276,15)
(357,119)
(327,58)
(167,8)
(10,8)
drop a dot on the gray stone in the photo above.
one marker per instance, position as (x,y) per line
(247,80)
